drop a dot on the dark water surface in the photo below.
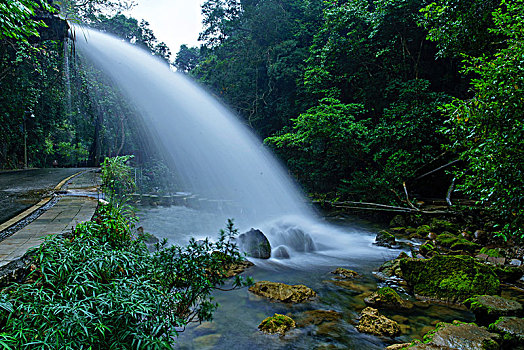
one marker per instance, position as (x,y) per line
(240,312)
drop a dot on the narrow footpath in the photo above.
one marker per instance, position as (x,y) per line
(77,203)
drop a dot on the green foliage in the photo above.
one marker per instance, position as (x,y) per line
(16,19)
(487,131)
(100,288)
(459,26)
(117,178)
(319,138)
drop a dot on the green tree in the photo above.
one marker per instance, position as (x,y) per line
(488,131)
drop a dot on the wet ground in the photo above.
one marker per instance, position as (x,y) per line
(21,189)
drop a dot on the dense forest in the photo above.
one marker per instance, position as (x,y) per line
(365,100)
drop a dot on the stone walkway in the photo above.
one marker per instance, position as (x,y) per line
(75,206)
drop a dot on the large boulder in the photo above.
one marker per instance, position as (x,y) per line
(461,336)
(277,324)
(449,278)
(488,308)
(372,322)
(389,298)
(283,292)
(255,244)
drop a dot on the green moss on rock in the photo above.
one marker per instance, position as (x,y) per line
(509,273)
(511,329)
(277,324)
(446,239)
(387,297)
(450,278)
(464,245)
(423,231)
(428,249)
(488,308)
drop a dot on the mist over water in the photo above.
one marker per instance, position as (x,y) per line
(215,156)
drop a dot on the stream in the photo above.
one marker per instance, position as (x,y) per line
(240,312)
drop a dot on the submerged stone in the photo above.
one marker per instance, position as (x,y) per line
(387,297)
(449,278)
(345,273)
(488,308)
(277,324)
(283,292)
(255,244)
(372,322)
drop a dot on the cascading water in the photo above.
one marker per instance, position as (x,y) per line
(215,156)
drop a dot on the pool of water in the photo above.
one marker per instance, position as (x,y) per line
(240,312)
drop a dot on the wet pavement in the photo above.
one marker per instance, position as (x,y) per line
(20,189)
(77,205)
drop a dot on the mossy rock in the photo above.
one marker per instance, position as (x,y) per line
(372,322)
(464,245)
(442,226)
(428,249)
(458,335)
(345,273)
(389,298)
(488,308)
(277,324)
(511,329)
(446,239)
(392,267)
(449,278)
(385,239)
(422,231)
(509,273)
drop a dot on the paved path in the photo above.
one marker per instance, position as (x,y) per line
(75,206)
(20,189)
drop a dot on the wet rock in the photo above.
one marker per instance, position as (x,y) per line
(463,336)
(511,329)
(277,324)
(515,262)
(449,278)
(397,221)
(283,292)
(496,260)
(236,269)
(255,244)
(385,239)
(280,252)
(389,298)
(431,236)
(372,322)
(488,308)
(344,273)
(294,238)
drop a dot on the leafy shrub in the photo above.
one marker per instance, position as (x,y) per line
(99,288)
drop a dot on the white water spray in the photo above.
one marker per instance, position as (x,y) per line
(215,155)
